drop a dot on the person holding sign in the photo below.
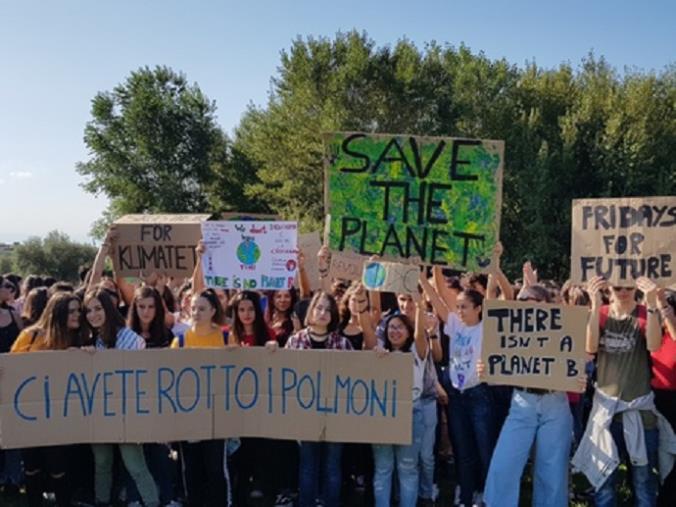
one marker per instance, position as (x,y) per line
(402,336)
(59,328)
(108,328)
(321,333)
(539,416)
(624,421)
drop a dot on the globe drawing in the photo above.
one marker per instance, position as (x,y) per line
(248,252)
(374,275)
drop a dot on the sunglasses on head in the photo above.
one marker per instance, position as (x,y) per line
(527,298)
(7,286)
(618,289)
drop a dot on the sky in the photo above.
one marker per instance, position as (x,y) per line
(55,56)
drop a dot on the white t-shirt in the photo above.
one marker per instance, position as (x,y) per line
(464,352)
(418,373)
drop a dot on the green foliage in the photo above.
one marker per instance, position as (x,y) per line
(155,147)
(55,255)
(569,133)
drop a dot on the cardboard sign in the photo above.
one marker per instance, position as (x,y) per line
(430,200)
(247,217)
(623,239)
(52,398)
(309,244)
(250,255)
(346,265)
(534,345)
(391,277)
(156,243)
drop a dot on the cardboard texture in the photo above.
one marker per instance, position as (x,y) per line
(309,244)
(534,345)
(623,239)
(391,277)
(250,255)
(156,243)
(429,200)
(346,265)
(51,398)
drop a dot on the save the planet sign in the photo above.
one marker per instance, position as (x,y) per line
(430,200)
(250,255)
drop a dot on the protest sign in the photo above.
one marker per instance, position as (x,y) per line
(346,265)
(623,239)
(156,243)
(430,200)
(309,245)
(391,277)
(250,255)
(534,345)
(52,398)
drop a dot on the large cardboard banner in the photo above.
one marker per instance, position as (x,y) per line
(431,200)
(534,345)
(623,239)
(250,255)
(391,277)
(50,398)
(156,243)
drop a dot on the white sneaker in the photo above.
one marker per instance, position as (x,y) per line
(283,500)
(174,503)
(478,500)
(435,492)
(456,496)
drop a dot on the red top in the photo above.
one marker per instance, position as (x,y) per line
(664,365)
(249,340)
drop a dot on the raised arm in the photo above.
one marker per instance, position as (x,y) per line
(96,272)
(324,263)
(197,273)
(364,318)
(303,279)
(439,304)
(594,287)
(419,335)
(653,332)
(447,295)
(667,313)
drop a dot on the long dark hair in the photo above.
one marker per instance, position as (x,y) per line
(34,305)
(333,309)
(475,297)
(270,310)
(211,297)
(114,320)
(260,328)
(409,327)
(157,329)
(53,323)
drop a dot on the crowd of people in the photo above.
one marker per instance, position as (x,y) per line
(625,409)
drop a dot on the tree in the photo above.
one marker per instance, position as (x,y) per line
(56,256)
(568,133)
(155,147)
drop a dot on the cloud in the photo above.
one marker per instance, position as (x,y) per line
(21,175)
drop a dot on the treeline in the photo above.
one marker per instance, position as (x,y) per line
(569,133)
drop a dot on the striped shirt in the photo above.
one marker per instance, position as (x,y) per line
(126,340)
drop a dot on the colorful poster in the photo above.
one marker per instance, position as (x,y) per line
(250,255)
(429,200)
(391,277)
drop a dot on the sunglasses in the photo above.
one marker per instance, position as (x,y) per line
(618,289)
(528,299)
(7,286)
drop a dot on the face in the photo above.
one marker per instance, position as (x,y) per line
(6,290)
(282,300)
(145,309)
(623,294)
(96,316)
(246,313)
(397,333)
(201,310)
(406,304)
(321,313)
(222,298)
(466,311)
(74,312)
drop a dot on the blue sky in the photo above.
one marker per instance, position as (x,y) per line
(55,56)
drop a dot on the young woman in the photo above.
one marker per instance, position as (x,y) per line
(204,473)
(109,331)
(403,336)
(33,306)
(59,328)
(182,315)
(279,314)
(10,322)
(248,323)
(320,462)
(146,318)
(355,319)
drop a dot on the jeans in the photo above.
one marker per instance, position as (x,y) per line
(161,468)
(406,458)
(429,434)
(644,478)
(546,420)
(10,467)
(204,472)
(134,462)
(320,460)
(472,429)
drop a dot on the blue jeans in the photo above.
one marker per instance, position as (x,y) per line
(10,467)
(406,458)
(472,429)
(546,420)
(320,460)
(429,416)
(644,478)
(161,468)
